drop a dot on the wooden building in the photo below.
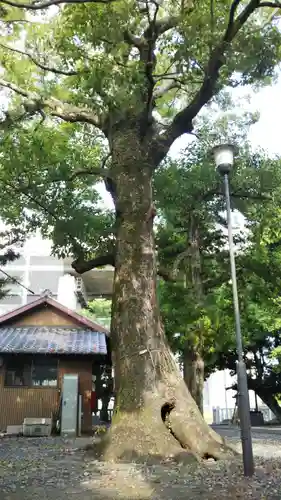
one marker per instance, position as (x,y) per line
(39,343)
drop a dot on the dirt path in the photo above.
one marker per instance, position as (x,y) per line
(56,469)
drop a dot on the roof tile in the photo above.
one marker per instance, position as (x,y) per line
(45,339)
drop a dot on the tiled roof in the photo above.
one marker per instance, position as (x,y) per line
(45,339)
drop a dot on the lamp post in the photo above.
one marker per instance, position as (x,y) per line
(224,159)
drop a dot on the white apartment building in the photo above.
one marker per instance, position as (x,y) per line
(37,271)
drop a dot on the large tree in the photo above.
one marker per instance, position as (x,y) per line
(137,73)
(192,235)
(259,274)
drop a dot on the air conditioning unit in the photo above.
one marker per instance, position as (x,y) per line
(37,427)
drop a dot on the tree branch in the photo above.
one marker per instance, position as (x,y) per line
(82,266)
(100,171)
(132,39)
(232,13)
(146,47)
(274,5)
(34,103)
(14,88)
(70,113)
(161,91)
(160,26)
(236,194)
(48,3)
(183,121)
(39,64)
(165,274)
(248,196)
(15,21)
(155,28)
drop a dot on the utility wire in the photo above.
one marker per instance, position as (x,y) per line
(16,281)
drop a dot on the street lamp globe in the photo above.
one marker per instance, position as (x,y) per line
(224,158)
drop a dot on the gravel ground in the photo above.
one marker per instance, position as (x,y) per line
(57,469)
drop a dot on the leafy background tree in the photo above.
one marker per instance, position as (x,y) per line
(99,310)
(196,297)
(137,75)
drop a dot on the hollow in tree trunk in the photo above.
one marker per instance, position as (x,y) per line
(193,374)
(147,380)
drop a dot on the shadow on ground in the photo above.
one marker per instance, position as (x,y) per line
(143,478)
(48,469)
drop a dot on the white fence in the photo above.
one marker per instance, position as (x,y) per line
(222,414)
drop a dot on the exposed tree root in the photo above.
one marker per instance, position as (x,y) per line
(141,435)
(137,436)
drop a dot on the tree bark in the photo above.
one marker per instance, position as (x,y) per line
(271,402)
(193,360)
(193,374)
(148,383)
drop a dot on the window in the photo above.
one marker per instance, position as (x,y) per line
(45,372)
(18,372)
(28,372)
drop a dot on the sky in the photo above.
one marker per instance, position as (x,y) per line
(266,133)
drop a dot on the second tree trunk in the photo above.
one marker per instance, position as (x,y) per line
(193,371)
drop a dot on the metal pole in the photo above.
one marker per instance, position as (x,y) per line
(243,393)
(256,402)
(225,394)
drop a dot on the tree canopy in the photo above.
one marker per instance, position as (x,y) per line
(73,74)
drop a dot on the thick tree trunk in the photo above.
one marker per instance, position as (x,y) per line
(193,361)
(271,402)
(265,395)
(193,374)
(147,381)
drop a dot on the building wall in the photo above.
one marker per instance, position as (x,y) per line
(21,402)
(45,317)
(16,403)
(38,270)
(216,395)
